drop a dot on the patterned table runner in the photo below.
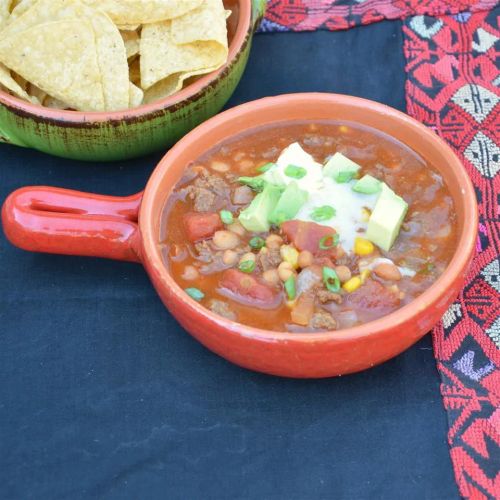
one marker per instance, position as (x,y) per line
(452,51)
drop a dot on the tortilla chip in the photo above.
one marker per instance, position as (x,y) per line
(172,84)
(136,96)
(163,88)
(181,39)
(52,102)
(128,27)
(108,44)
(10,85)
(72,77)
(207,23)
(20,7)
(135,72)
(166,50)
(4,11)
(112,59)
(131,41)
(36,92)
(22,82)
(143,11)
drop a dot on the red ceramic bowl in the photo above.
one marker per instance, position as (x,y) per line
(59,221)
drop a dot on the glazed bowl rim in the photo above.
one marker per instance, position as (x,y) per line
(235,48)
(458,265)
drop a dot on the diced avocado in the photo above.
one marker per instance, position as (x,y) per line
(255,218)
(340,168)
(273,176)
(386,219)
(289,204)
(367,185)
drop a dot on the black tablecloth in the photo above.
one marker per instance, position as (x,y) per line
(103,395)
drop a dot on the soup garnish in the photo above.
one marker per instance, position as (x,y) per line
(308,227)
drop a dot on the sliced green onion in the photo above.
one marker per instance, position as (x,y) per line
(295,172)
(256,183)
(266,167)
(195,294)
(226,216)
(247,266)
(330,241)
(290,290)
(330,279)
(257,242)
(323,213)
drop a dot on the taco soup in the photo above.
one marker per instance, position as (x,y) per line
(308,226)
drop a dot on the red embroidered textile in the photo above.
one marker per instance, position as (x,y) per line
(453,81)
(452,87)
(310,15)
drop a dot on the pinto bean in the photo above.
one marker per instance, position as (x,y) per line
(387,271)
(274,241)
(219,166)
(305,259)
(271,277)
(344,273)
(285,270)
(190,273)
(249,256)
(225,240)
(230,257)
(246,164)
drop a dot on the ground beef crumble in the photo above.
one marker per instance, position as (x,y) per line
(323,320)
(205,251)
(269,258)
(325,296)
(242,195)
(208,192)
(349,260)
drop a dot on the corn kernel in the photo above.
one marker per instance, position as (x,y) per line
(352,285)
(364,275)
(290,254)
(363,247)
(365,214)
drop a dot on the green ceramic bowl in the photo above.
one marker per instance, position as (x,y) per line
(131,133)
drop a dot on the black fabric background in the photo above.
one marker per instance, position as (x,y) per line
(103,395)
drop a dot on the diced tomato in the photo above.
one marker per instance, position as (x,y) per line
(373,296)
(324,260)
(201,225)
(303,310)
(306,235)
(247,289)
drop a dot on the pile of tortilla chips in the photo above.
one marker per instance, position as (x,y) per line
(107,55)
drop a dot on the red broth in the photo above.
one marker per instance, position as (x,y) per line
(425,244)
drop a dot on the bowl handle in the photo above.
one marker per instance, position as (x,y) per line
(54,220)
(258,11)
